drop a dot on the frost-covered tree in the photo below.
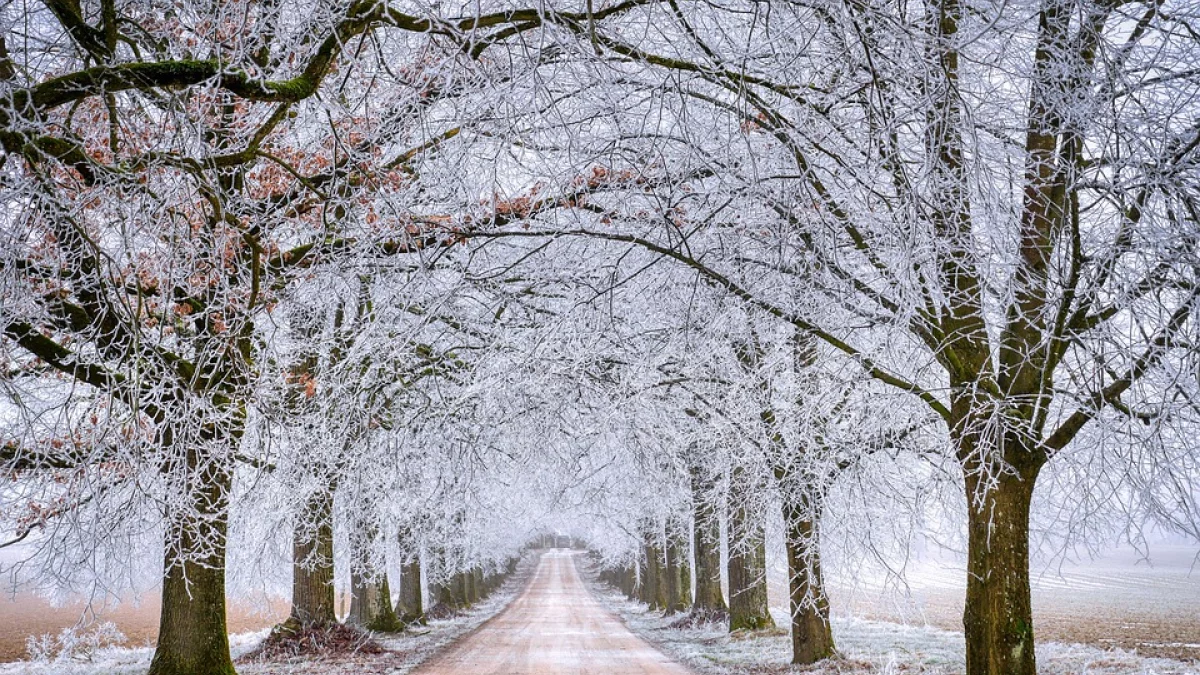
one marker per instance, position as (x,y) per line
(990,208)
(169,172)
(329,263)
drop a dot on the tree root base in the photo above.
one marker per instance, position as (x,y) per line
(292,639)
(701,617)
(443,611)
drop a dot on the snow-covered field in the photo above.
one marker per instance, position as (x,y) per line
(867,647)
(404,651)
(1118,600)
(1113,590)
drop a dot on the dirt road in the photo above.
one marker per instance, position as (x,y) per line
(554,626)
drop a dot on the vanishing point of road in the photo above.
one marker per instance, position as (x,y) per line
(554,627)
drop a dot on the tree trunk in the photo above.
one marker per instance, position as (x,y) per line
(312,564)
(643,579)
(629,581)
(462,590)
(444,596)
(451,592)
(812,638)
(409,608)
(192,635)
(654,589)
(371,603)
(370,594)
(998,620)
(471,594)
(445,592)
(747,572)
(685,574)
(707,550)
(673,571)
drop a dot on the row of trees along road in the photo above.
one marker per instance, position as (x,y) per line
(1002,200)
(172,174)
(282,260)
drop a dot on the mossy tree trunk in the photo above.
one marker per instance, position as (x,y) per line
(747,568)
(654,591)
(998,620)
(707,551)
(643,581)
(410,608)
(629,581)
(674,570)
(478,590)
(812,637)
(370,593)
(371,603)
(685,574)
(312,564)
(462,590)
(443,594)
(451,593)
(192,635)
(466,580)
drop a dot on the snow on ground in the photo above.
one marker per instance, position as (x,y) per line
(404,650)
(112,660)
(1122,599)
(867,648)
